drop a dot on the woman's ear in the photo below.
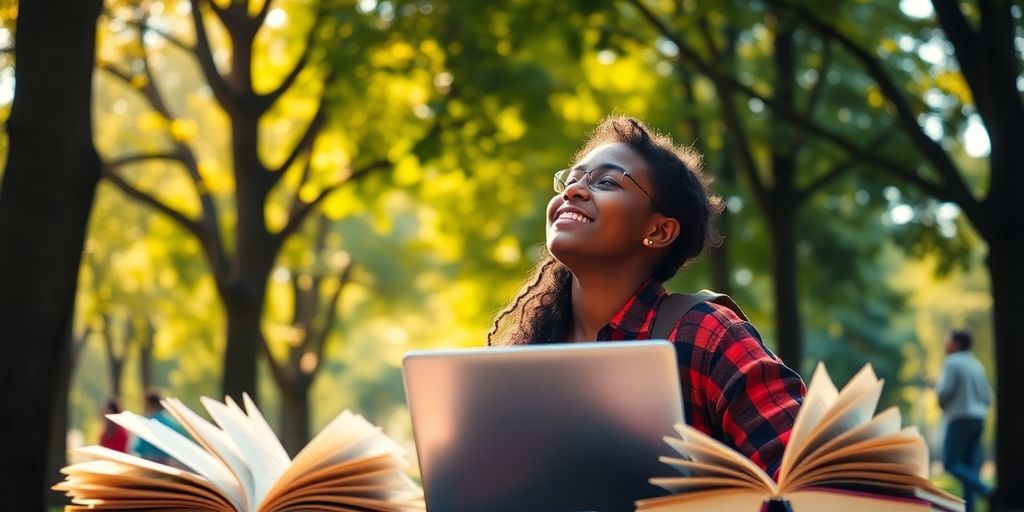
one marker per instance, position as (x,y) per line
(663,233)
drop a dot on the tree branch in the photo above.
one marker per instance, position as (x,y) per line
(78,343)
(725,96)
(303,209)
(303,178)
(281,375)
(182,153)
(691,119)
(678,6)
(132,158)
(267,100)
(204,54)
(814,96)
(828,177)
(223,14)
(709,38)
(108,341)
(150,90)
(184,221)
(167,36)
(304,144)
(938,157)
(945,192)
(261,16)
(839,169)
(331,315)
(960,33)
(743,146)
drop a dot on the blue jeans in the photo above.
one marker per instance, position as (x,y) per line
(961,456)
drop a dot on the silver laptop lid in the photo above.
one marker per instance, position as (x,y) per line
(563,427)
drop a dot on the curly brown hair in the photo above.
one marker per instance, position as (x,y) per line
(542,310)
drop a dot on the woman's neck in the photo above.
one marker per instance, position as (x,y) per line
(597,297)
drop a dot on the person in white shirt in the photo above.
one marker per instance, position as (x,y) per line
(964,396)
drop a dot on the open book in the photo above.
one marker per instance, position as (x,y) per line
(841,457)
(238,464)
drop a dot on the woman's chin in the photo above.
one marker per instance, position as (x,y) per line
(563,246)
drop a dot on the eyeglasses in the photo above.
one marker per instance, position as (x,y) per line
(604,178)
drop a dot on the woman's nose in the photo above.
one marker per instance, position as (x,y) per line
(578,189)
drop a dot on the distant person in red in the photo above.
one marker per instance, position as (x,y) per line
(114,436)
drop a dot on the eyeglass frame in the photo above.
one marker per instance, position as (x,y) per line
(558,183)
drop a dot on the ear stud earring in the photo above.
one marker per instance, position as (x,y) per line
(648,242)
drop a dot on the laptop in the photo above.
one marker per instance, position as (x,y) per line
(555,427)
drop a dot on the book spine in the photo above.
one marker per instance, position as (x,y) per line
(776,505)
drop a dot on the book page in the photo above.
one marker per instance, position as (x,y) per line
(681,484)
(887,471)
(696,443)
(337,502)
(882,425)
(821,394)
(104,471)
(353,468)
(718,500)
(694,468)
(905,447)
(388,488)
(347,438)
(832,500)
(923,490)
(347,471)
(104,480)
(185,451)
(854,407)
(111,495)
(95,452)
(264,456)
(263,430)
(215,441)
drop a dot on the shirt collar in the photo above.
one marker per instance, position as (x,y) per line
(636,317)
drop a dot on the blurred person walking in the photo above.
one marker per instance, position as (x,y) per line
(153,409)
(965,397)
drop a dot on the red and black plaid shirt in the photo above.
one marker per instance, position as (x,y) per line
(733,387)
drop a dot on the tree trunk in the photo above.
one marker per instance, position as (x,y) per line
(58,448)
(1004,233)
(785,207)
(784,273)
(718,260)
(146,358)
(45,200)
(720,263)
(295,414)
(255,252)
(1004,259)
(244,339)
(115,357)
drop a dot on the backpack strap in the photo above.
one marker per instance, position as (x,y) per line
(675,305)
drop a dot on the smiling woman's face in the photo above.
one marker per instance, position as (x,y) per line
(608,220)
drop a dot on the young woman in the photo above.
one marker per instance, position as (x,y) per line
(631,211)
